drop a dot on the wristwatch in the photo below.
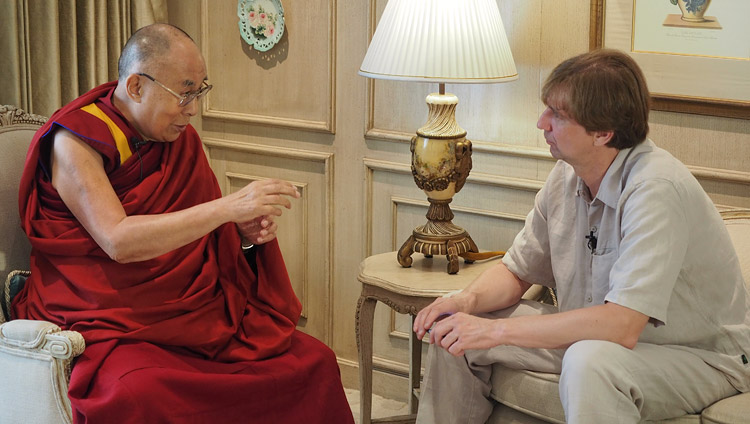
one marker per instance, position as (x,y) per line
(246,247)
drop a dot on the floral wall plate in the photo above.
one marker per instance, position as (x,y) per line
(261,22)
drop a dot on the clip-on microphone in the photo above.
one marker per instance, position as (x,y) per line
(591,244)
(137,143)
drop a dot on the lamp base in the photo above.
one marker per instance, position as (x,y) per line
(439,236)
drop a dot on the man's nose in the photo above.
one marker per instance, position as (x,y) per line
(191,109)
(543,122)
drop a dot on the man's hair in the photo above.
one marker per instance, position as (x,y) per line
(603,90)
(147,48)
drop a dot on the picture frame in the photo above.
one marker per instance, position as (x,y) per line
(727,94)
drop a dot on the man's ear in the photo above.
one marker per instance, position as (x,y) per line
(133,87)
(602,138)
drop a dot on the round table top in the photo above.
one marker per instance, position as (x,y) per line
(427,277)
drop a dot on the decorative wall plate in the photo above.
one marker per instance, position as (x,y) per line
(261,22)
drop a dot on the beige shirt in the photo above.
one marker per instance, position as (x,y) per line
(661,249)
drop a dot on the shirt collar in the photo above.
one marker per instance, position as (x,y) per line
(611,186)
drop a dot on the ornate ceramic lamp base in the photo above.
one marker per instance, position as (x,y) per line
(440,163)
(438,237)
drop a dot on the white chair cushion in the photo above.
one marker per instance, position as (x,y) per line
(533,393)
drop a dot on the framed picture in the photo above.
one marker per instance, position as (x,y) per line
(695,53)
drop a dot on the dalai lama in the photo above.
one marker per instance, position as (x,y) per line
(181,294)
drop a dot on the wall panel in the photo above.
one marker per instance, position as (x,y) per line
(291,85)
(495,113)
(304,233)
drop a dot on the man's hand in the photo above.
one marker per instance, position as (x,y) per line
(437,310)
(460,332)
(258,231)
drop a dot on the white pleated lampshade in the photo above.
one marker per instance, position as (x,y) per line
(444,41)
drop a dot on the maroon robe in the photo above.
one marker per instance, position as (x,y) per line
(193,335)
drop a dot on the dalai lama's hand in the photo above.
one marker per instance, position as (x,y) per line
(258,231)
(262,198)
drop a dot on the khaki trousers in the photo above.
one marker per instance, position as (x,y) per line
(600,382)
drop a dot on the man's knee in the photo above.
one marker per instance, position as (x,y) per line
(595,385)
(590,359)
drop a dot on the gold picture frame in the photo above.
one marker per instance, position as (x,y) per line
(738,71)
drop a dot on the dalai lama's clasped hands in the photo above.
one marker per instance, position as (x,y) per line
(258,231)
(257,204)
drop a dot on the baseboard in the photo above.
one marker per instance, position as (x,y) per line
(390,382)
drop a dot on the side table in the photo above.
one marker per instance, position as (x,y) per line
(407,291)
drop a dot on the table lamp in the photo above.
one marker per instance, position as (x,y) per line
(442,41)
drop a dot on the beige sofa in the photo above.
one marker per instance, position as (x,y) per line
(532,397)
(35,356)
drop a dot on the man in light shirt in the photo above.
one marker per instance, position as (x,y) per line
(653,319)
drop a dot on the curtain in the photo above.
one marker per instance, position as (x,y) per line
(51,51)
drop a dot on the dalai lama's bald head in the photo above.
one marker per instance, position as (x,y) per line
(162,74)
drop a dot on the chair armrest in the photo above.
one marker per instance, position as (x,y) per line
(35,366)
(41,337)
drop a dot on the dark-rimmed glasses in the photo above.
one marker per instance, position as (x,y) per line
(186,98)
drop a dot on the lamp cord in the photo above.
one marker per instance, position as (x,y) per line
(479,256)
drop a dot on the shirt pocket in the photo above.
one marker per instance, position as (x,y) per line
(601,265)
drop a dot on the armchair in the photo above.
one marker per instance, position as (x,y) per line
(35,356)
(529,397)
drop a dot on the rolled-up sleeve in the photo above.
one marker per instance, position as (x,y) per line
(529,257)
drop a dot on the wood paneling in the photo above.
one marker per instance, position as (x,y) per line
(304,233)
(291,85)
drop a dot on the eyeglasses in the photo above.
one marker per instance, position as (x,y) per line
(186,98)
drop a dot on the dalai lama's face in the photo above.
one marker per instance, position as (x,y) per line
(160,115)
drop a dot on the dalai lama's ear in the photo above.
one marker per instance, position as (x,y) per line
(133,87)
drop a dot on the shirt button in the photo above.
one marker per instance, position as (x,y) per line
(588,298)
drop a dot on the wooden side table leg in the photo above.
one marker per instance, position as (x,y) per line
(415,368)
(365,314)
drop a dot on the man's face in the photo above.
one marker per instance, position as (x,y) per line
(567,139)
(160,117)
